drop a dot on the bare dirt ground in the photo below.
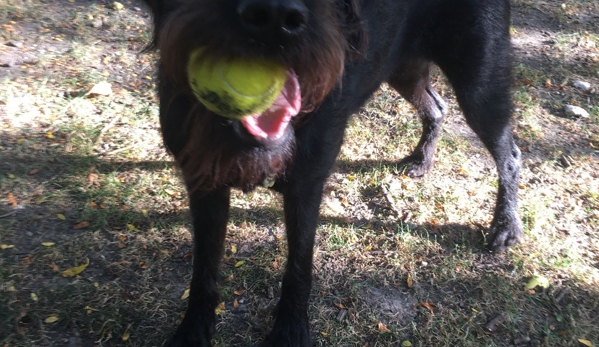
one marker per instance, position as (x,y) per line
(94,241)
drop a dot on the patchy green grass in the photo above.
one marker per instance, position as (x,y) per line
(85,178)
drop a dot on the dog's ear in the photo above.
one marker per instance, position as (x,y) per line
(354,29)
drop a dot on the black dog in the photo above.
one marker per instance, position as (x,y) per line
(337,52)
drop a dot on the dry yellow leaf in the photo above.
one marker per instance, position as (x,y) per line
(409,281)
(406,343)
(48,244)
(185,294)
(132,227)
(61,216)
(74,271)
(144,213)
(586,342)
(125,336)
(239,263)
(51,319)
(33,296)
(220,309)
(233,249)
(118,6)
(5,246)
(540,281)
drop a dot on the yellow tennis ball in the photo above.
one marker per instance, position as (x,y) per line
(235,87)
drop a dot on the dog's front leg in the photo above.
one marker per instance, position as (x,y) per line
(302,200)
(210,212)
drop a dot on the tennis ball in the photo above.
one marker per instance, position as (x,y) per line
(235,87)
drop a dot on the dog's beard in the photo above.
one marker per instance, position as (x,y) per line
(212,154)
(215,156)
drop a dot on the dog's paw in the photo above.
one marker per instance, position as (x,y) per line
(504,234)
(289,333)
(193,332)
(414,165)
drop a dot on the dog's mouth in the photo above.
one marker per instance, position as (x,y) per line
(272,123)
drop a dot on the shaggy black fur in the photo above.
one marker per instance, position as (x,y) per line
(341,51)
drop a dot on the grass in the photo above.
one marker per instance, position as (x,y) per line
(386,244)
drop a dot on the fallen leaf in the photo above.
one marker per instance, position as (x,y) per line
(144,213)
(539,281)
(54,267)
(88,309)
(406,343)
(91,177)
(586,342)
(12,200)
(33,296)
(61,216)
(132,227)
(426,305)
(102,88)
(51,319)
(74,271)
(235,303)
(185,294)
(323,333)
(220,309)
(239,292)
(383,328)
(5,246)
(239,263)
(409,281)
(81,225)
(340,305)
(118,6)
(48,244)
(233,249)
(125,336)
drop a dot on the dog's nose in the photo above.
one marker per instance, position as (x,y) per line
(272,19)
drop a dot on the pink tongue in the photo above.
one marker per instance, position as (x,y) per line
(273,122)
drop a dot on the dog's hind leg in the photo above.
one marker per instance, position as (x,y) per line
(210,212)
(412,81)
(477,63)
